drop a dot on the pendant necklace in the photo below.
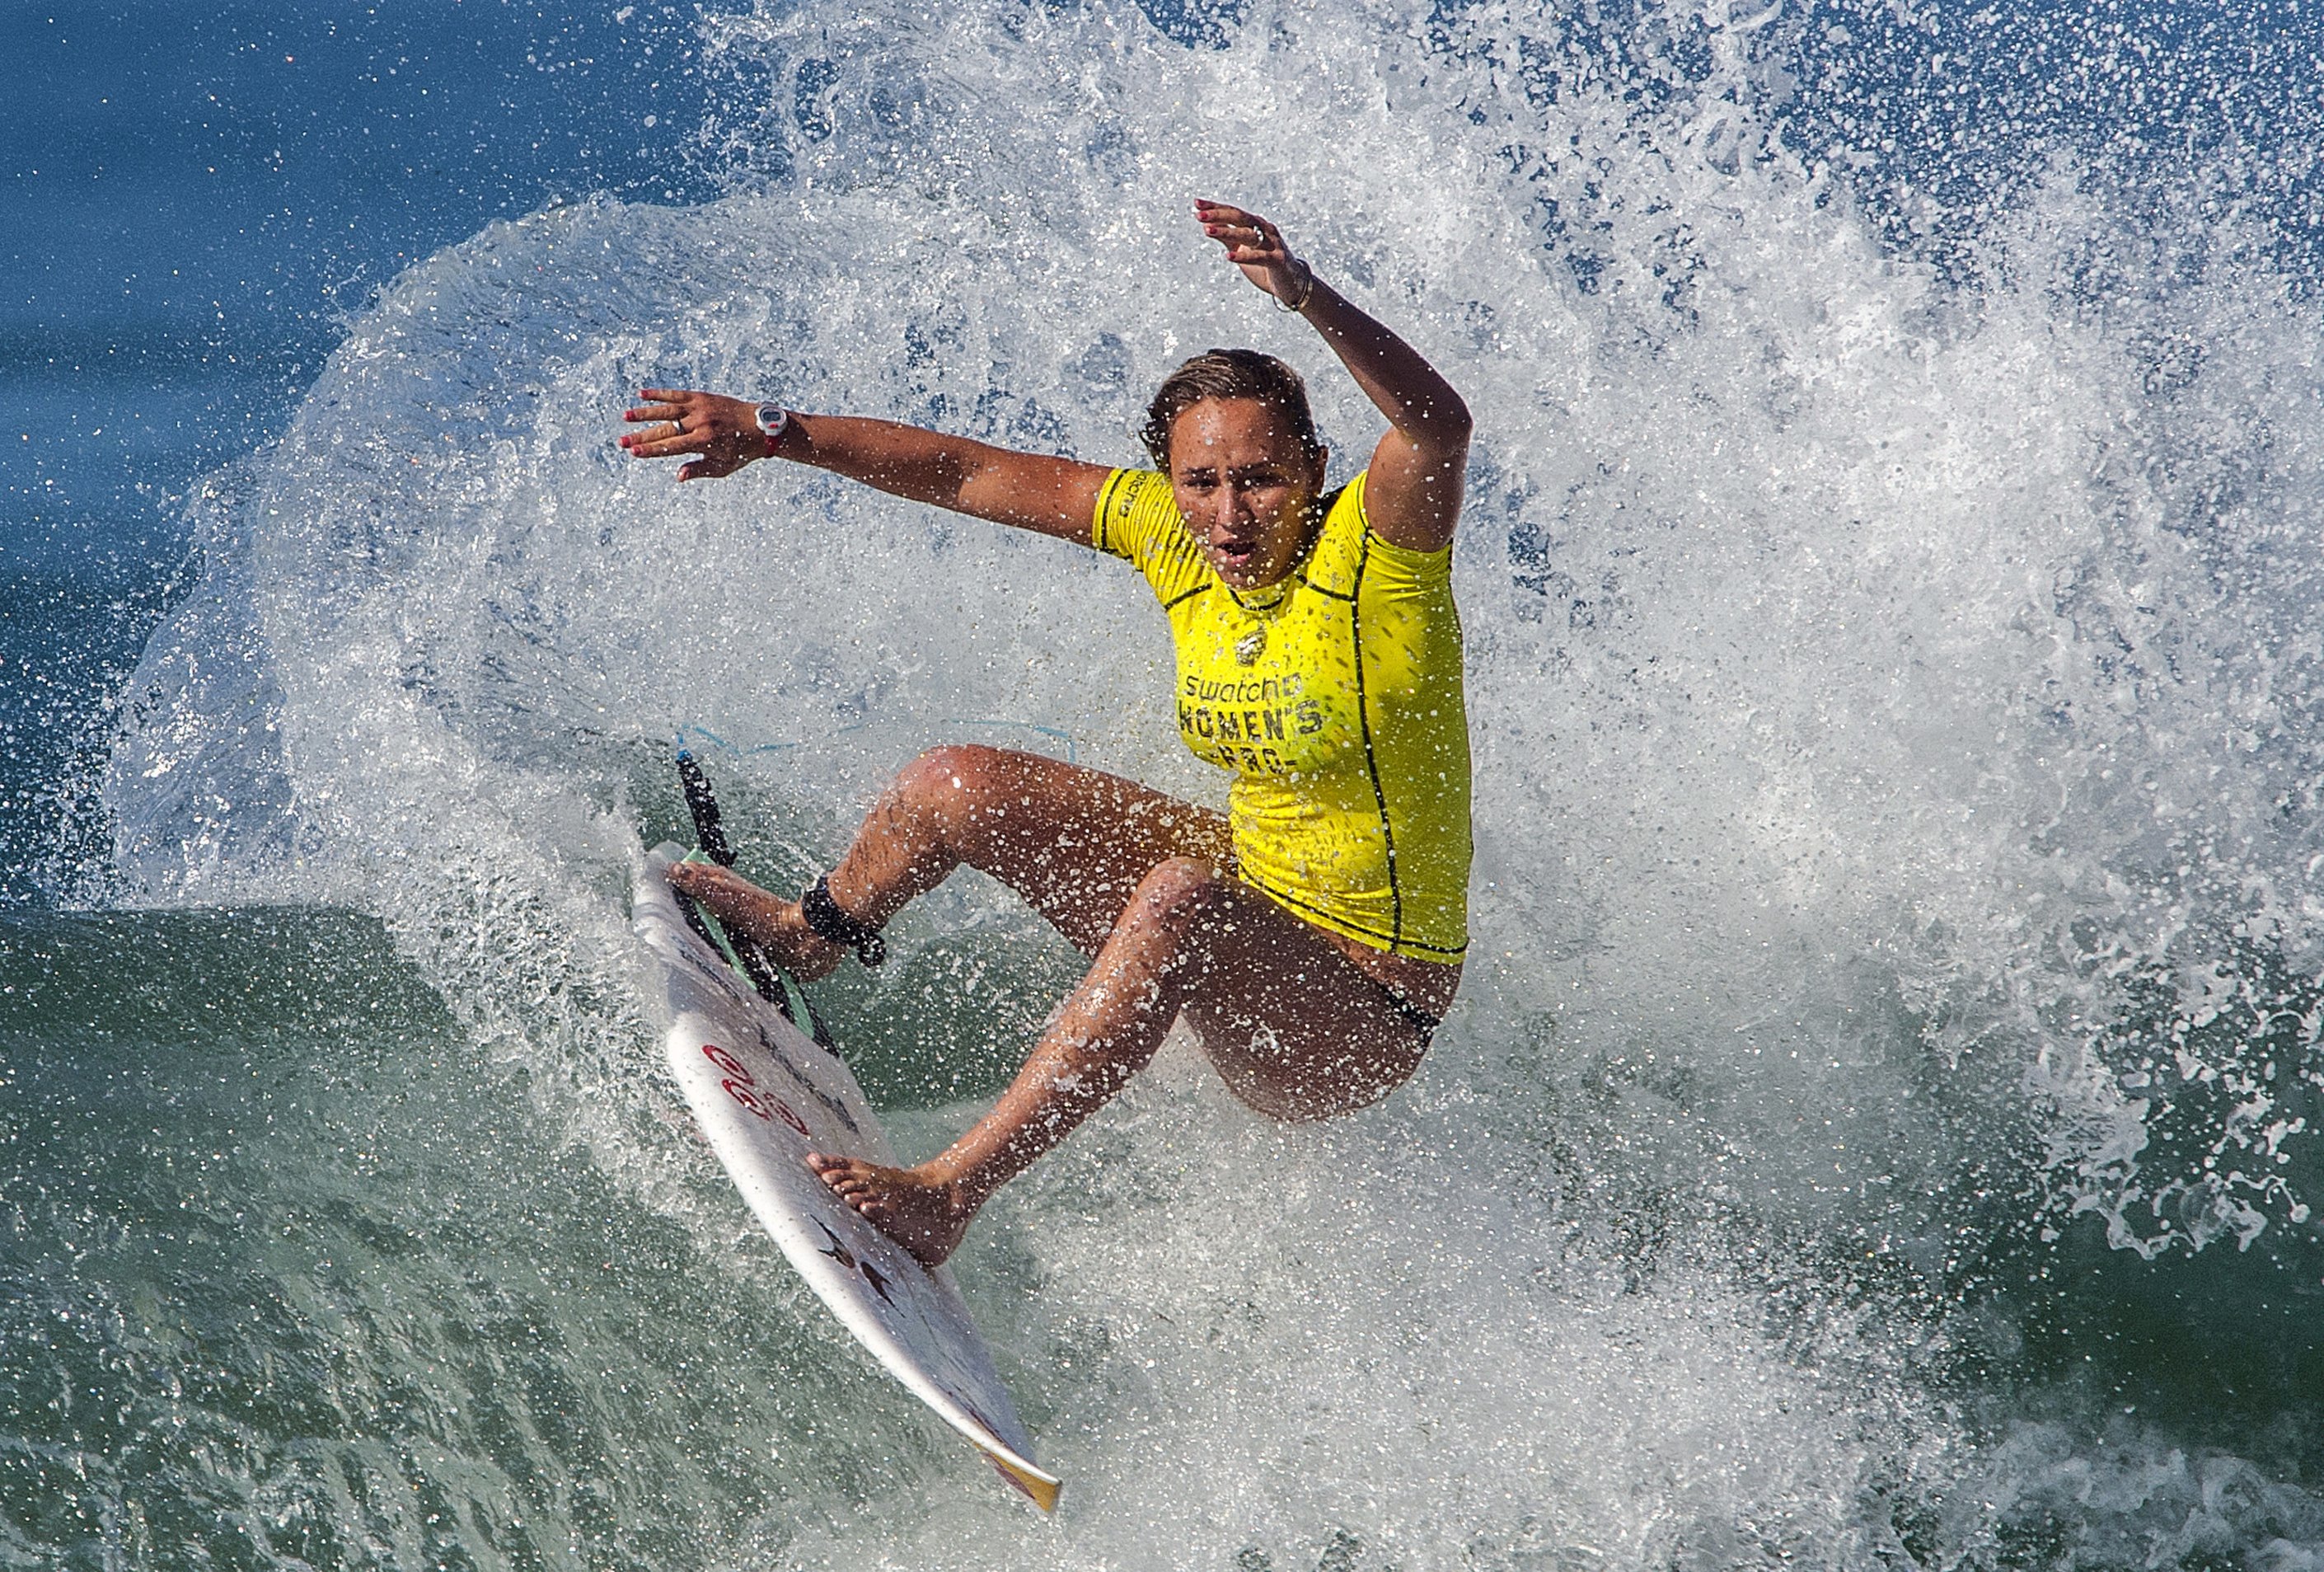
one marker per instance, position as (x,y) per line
(1248,648)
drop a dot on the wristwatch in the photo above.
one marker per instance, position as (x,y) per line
(772,419)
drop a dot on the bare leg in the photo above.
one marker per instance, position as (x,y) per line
(1295,1026)
(1073,842)
(1298,1021)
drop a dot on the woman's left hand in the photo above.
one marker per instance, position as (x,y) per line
(1257,246)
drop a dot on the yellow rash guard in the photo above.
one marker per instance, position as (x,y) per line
(1334,697)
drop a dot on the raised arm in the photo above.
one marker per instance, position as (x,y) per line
(1413,494)
(718,435)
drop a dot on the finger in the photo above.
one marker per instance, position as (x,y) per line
(1211,212)
(1233,225)
(1249,251)
(668,396)
(666,447)
(653,412)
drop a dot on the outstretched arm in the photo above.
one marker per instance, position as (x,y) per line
(1413,494)
(718,435)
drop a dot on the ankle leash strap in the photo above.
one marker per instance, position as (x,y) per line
(822,914)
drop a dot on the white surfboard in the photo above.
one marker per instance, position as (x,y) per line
(765,1093)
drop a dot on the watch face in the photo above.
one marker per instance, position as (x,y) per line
(771,419)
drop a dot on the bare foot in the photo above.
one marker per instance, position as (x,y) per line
(919,1212)
(772,921)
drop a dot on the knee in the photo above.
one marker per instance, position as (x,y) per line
(954,780)
(966,794)
(1179,896)
(955,769)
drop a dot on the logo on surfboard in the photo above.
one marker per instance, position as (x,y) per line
(740,1086)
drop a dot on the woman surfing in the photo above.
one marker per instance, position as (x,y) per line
(1312,934)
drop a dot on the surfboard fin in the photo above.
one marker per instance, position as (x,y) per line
(1039,1488)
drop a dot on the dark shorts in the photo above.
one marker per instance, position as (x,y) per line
(1421,1021)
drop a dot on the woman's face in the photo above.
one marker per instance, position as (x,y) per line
(1245,487)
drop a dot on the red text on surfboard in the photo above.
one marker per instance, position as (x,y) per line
(740,1086)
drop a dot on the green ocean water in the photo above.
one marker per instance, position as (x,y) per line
(297,1277)
(299,1274)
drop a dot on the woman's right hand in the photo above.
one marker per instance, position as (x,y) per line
(720,433)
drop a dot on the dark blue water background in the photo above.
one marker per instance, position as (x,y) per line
(192,198)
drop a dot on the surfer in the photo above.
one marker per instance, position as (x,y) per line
(1312,934)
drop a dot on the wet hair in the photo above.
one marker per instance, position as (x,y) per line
(1229,374)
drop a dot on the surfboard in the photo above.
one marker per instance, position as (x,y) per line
(766,1087)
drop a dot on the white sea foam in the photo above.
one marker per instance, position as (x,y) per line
(1891,698)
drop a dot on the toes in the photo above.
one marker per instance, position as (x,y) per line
(849,1179)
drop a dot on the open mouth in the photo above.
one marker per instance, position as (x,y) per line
(1234,556)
